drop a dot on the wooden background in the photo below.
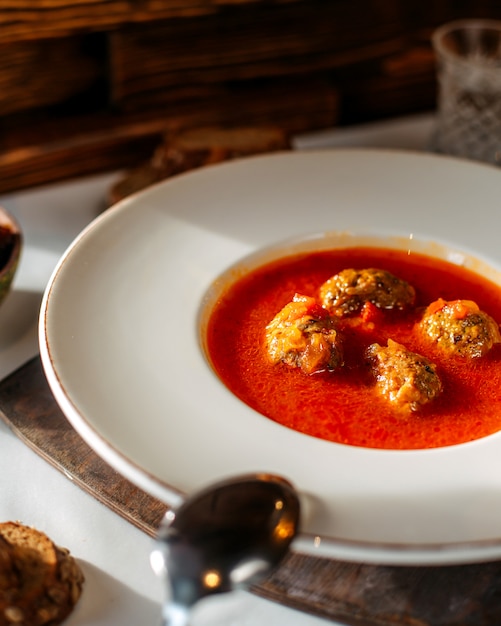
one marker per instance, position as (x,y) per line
(93,85)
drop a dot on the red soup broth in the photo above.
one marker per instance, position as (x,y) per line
(343,406)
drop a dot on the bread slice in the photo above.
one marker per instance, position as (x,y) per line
(8,574)
(192,148)
(46,581)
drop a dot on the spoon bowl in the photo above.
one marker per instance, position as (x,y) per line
(228,536)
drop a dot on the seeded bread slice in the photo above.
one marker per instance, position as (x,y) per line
(8,574)
(47,581)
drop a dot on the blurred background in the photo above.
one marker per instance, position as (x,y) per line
(90,86)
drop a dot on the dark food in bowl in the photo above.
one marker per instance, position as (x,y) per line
(10,251)
(8,241)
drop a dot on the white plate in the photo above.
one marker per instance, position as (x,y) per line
(119,339)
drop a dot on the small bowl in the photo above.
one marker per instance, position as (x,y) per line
(11,243)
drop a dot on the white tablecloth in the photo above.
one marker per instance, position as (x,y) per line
(120,588)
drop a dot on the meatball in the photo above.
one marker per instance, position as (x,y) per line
(406,379)
(349,290)
(302,335)
(460,327)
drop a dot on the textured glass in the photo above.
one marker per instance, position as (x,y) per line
(469,89)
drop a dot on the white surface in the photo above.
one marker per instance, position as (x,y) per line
(408,133)
(121,348)
(120,589)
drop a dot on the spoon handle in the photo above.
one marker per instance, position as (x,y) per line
(175,615)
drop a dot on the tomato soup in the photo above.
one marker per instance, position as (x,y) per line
(342,406)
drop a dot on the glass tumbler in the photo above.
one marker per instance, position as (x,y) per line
(468,56)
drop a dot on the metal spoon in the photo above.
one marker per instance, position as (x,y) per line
(228,536)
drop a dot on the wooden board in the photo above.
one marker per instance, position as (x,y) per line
(298,39)
(29,409)
(37,150)
(358,594)
(83,83)
(42,19)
